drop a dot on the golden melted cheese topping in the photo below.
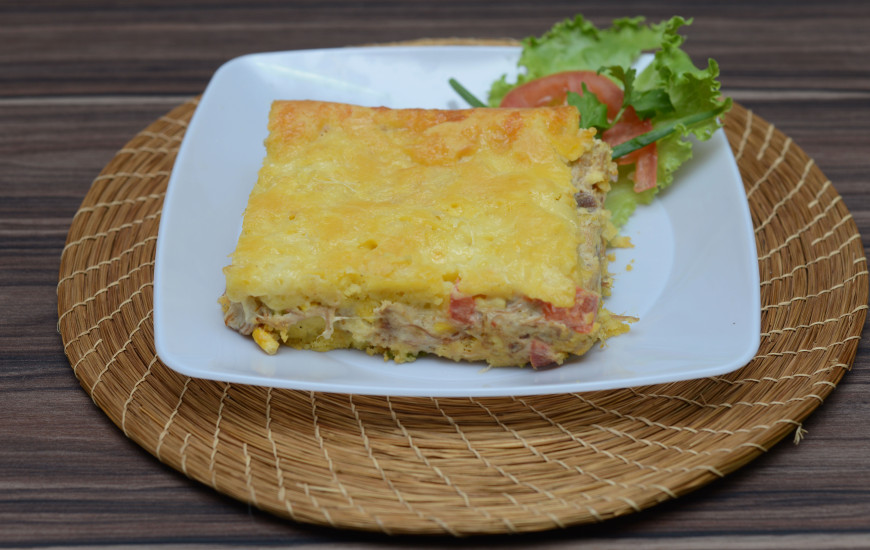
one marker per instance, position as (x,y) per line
(356,203)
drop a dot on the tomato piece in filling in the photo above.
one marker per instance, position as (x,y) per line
(580,317)
(540,354)
(461,308)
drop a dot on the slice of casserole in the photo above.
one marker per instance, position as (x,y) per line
(473,234)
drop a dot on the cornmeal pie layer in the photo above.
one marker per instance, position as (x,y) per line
(472,234)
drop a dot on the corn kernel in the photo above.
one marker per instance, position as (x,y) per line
(266,340)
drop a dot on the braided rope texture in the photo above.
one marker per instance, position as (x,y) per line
(465,466)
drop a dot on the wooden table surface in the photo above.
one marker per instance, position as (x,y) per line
(78,79)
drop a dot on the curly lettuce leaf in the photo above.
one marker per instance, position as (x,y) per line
(691,91)
(578,45)
(622,200)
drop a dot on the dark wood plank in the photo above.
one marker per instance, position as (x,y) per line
(167,47)
(78,79)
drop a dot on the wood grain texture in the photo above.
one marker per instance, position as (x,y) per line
(78,79)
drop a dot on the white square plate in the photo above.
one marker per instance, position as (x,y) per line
(693,276)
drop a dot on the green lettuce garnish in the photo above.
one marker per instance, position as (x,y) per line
(681,100)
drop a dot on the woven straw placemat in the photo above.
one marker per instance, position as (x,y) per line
(465,466)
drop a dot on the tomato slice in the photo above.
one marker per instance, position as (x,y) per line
(553,90)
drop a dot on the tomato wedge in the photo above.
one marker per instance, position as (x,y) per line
(553,90)
(646,170)
(630,126)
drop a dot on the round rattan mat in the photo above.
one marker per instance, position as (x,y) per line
(465,466)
